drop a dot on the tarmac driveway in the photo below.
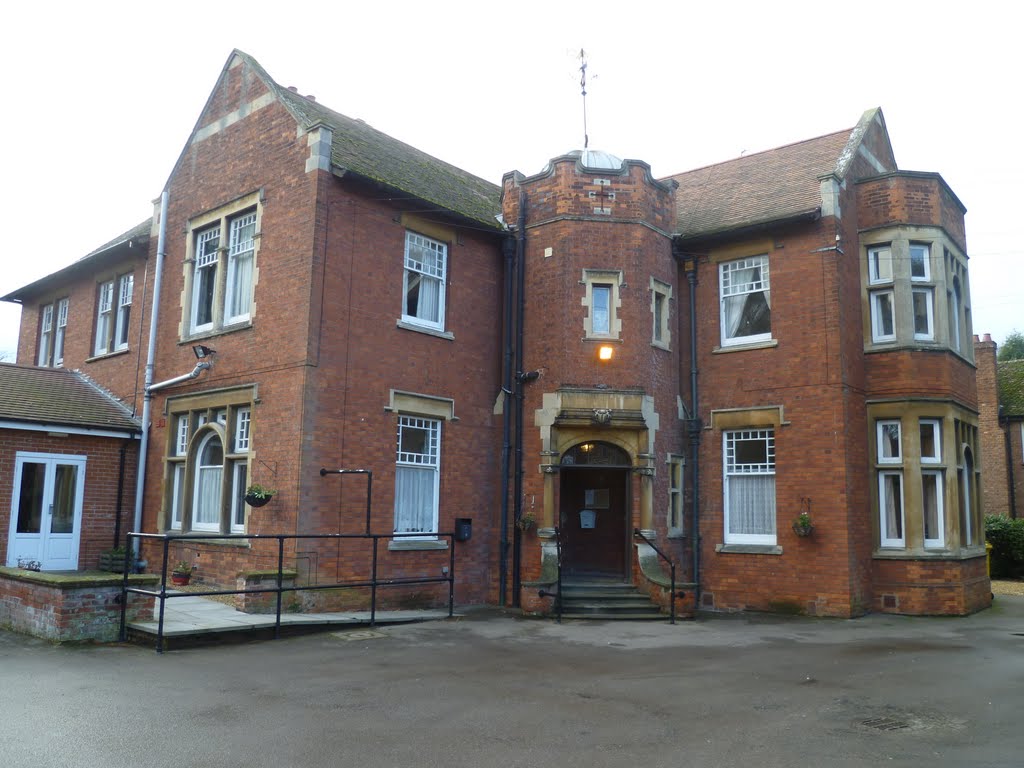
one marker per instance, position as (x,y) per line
(492,690)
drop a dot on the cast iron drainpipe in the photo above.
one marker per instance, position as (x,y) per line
(694,430)
(520,313)
(508,250)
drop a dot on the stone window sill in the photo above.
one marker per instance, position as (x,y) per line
(766,344)
(416,545)
(749,549)
(407,326)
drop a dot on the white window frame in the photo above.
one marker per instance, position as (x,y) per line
(45,335)
(189,432)
(601,309)
(104,318)
(935,477)
(877,316)
(676,515)
(928,293)
(887,541)
(240,264)
(881,427)
(199,472)
(598,280)
(728,290)
(425,463)
(60,335)
(661,298)
(880,265)
(731,470)
(936,426)
(125,287)
(221,267)
(417,271)
(926,261)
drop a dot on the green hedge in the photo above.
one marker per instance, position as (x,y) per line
(1007,539)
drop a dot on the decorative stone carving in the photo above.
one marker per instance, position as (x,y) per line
(603,416)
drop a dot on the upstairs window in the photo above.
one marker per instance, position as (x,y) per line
(661,293)
(920,262)
(61,334)
(745,292)
(220,268)
(601,301)
(45,335)
(423,284)
(113,312)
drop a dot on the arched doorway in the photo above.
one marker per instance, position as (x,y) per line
(594,504)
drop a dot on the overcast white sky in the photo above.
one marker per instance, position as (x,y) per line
(102,96)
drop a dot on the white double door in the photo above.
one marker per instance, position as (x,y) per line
(46,510)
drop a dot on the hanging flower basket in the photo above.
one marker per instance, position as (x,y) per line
(803,530)
(256,495)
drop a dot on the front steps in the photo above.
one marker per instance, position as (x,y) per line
(607,601)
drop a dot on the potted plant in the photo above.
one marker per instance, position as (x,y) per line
(181,575)
(526,522)
(802,526)
(258,495)
(112,560)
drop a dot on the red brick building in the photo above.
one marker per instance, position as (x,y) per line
(1001,404)
(589,364)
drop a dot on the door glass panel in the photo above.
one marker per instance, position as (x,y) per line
(30,504)
(64,486)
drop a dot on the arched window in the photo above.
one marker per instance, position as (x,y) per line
(596,454)
(209,469)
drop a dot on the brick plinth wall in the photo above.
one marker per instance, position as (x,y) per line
(264,602)
(69,607)
(931,587)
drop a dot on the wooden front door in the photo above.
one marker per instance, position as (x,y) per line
(594,517)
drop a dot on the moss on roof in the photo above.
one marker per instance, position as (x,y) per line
(1010,379)
(360,149)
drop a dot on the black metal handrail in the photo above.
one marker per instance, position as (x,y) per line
(279,589)
(672,570)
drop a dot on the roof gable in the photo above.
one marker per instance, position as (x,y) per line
(771,186)
(59,397)
(364,151)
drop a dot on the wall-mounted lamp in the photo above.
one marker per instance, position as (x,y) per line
(529,376)
(202,351)
(605,352)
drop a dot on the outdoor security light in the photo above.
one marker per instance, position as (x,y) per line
(203,351)
(605,352)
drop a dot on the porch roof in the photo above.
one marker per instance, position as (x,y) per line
(59,397)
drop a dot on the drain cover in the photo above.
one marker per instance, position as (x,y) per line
(885,723)
(358,634)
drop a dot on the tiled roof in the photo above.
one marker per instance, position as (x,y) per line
(1010,378)
(365,151)
(60,397)
(755,189)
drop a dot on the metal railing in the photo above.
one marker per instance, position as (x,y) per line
(672,571)
(374,582)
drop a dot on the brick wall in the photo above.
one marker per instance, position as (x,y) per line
(931,587)
(103,478)
(995,486)
(911,198)
(66,608)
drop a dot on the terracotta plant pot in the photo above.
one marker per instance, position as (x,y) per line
(181,579)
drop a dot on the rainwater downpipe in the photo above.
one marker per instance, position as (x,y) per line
(119,507)
(508,250)
(140,477)
(694,430)
(520,313)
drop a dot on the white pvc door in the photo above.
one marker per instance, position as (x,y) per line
(46,510)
